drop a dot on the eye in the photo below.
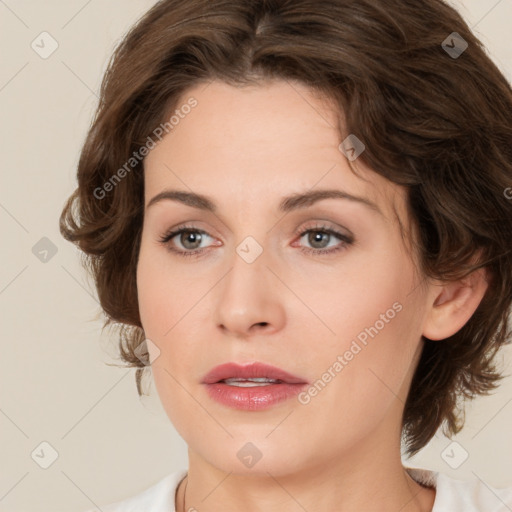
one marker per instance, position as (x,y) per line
(319,235)
(189,238)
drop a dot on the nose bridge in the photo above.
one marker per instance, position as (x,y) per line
(247,296)
(249,272)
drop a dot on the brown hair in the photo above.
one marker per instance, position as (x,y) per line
(439,124)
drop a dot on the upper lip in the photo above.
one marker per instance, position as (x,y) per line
(247,371)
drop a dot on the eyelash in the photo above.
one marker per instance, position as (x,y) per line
(346,240)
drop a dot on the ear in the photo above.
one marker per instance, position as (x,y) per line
(453,303)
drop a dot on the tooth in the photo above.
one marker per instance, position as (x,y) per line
(248,384)
(260,381)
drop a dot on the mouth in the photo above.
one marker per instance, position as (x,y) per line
(251,387)
(250,383)
(250,375)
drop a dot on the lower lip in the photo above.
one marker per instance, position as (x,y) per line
(255,398)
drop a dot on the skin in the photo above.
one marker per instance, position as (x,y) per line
(247,148)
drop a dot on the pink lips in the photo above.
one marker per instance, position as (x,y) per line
(256,370)
(256,397)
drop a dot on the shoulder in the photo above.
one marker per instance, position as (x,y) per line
(472,495)
(157,498)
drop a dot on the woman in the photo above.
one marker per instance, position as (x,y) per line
(297,211)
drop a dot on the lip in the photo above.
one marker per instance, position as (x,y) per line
(251,370)
(254,398)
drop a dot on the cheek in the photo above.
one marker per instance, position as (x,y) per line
(160,301)
(366,300)
(163,314)
(163,311)
(375,324)
(360,388)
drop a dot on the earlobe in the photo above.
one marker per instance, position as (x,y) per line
(453,304)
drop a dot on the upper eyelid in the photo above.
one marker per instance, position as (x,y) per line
(316,226)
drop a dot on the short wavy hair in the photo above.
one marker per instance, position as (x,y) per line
(435,117)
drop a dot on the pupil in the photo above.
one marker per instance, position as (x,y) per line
(190,235)
(316,237)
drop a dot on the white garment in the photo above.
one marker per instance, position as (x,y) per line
(451,495)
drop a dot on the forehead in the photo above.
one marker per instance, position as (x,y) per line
(260,143)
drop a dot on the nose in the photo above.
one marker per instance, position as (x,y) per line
(249,300)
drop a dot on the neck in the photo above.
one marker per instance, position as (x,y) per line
(356,481)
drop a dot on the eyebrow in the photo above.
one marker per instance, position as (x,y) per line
(290,203)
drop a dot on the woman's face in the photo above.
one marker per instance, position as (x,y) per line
(344,313)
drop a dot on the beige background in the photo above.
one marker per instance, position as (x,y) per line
(55,385)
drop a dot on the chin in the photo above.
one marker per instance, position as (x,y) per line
(253,456)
